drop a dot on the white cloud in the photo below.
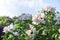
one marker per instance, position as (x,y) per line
(4,8)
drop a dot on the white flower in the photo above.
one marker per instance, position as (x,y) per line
(11,27)
(31,32)
(28,32)
(59,30)
(16,33)
(25,17)
(38,18)
(49,8)
(5,29)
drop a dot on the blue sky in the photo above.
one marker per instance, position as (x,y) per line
(16,7)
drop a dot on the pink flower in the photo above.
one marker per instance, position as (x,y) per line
(31,32)
(38,18)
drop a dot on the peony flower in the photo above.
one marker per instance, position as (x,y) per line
(28,32)
(10,28)
(5,29)
(25,17)
(39,18)
(31,32)
(49,9)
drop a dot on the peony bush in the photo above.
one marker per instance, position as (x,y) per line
(43,26)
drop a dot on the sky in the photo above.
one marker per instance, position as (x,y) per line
(16,7)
